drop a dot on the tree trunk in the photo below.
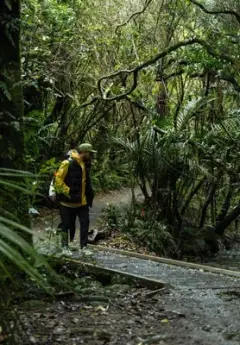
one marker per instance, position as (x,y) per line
(221,227)
(11,107)
(225,206)
(190,196)
(208,201)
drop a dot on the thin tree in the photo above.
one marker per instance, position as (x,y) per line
(12,145)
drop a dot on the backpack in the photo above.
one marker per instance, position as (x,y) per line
(52,192)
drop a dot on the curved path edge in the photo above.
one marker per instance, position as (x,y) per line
(184,264)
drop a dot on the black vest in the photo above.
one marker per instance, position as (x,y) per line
(73,180)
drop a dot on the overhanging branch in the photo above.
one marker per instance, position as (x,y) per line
(134,15)
(231,80)
(137,69)
(217,12)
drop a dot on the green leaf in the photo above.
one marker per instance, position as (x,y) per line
(15,186)
(16,242)
(27,173)
(19,261)
(6,92)
(8,3)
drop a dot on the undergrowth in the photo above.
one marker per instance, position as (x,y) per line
(23,293)
(138,225)
(141,227)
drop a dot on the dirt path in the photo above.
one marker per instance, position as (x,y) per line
(205,305)
(49,218)
(120,197)
(208,302)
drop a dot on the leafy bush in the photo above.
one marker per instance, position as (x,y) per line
(106,181)
(18,258)
(141,227)
(155,235)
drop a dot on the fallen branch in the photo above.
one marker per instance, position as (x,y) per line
(92,298)
(99,333)
(153,339)
(79,297)
(152,293)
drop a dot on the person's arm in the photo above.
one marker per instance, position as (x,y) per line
(89,188)
(60,185)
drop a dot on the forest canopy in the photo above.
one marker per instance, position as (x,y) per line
(153,85)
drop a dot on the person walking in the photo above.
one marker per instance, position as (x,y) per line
(54,199)
(75,192)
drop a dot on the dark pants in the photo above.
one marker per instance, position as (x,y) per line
(68,218)
(72,229)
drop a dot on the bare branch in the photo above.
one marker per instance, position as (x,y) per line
(137,69)
(84,105)
(231,80)
(217,12)
(134,15)
(221,76)
(173,75)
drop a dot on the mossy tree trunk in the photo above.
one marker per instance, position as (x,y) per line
(12,144)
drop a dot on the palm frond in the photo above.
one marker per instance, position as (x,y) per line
(21,173)
(13,244)
(190,111)
(15,186)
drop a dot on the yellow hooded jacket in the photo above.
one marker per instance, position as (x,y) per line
(61,186)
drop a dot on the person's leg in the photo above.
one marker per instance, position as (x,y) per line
(73,227)
(83,214)
(59,228)
(67,214)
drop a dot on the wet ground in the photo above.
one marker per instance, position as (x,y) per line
(194,308)
(203,307)
(128,316)
(228,259)
(210,302)
(49,218)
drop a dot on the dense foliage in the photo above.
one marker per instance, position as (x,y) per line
(153,85)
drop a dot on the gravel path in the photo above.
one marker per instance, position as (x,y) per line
(210,302)
(50,218)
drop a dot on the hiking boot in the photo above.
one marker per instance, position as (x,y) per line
(73,246)
(64,252)
(86,252)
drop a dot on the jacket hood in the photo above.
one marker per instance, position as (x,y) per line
(75,156)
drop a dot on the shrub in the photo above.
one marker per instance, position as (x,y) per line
(141,227)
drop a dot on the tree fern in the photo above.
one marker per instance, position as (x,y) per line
(13,245)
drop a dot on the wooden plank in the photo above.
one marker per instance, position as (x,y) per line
(168,261)
(145,281)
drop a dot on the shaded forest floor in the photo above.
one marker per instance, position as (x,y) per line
(46,223)
(120,313)
(100,310)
